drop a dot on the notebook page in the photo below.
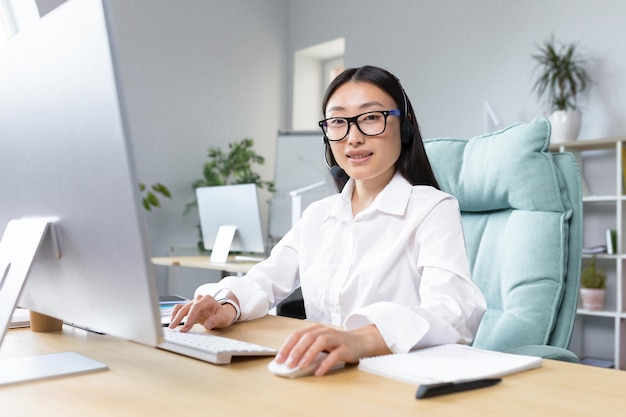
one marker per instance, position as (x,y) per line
(448,363)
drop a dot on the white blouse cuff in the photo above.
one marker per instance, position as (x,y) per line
(400,329)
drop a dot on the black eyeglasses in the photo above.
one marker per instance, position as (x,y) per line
(371,123)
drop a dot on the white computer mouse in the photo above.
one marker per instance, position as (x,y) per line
(283,370)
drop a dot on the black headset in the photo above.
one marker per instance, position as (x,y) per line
(406,130)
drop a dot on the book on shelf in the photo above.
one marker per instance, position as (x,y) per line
(611,241)
(448,363)
(595,249)
(623,170)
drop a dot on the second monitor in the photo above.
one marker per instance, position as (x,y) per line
(229,208)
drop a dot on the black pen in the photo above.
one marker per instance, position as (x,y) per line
(431,390)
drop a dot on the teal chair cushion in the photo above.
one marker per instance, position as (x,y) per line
(517,214)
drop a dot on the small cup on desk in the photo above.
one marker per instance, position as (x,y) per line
(43,323)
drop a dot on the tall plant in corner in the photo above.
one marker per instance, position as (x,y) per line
(561,78)
(229,168)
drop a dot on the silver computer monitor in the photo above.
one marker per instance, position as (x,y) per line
(65,154)
(231,205)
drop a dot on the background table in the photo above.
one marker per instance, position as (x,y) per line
(204,262)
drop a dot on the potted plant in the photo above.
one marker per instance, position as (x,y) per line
(229,168)
(562,77)
(592,287)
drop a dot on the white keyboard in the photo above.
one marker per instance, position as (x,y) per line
(210,348)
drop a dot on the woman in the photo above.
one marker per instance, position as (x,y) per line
(385,258)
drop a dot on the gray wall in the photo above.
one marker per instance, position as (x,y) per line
(198,76)
(200,73)
(452,55)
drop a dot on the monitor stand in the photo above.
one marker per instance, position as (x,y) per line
(18,247)
(223,241)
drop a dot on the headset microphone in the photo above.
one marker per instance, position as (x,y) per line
(338,172)
(335,170)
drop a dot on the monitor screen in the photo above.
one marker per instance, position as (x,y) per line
(66,155)
(231,205)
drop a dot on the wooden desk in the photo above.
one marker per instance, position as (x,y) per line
(144,381)
(204,262)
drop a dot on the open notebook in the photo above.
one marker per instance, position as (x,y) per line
(448,363)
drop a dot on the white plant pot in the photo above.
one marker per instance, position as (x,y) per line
(592,298)
(565,125)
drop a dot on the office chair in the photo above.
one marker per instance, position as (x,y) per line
(521,208)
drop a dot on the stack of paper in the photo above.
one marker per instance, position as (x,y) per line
(448,363)
(20,318)
(166,305)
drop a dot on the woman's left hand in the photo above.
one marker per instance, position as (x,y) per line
(342,345)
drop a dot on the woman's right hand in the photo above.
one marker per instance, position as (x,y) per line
(204,310)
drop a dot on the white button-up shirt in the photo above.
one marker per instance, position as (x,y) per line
(400,264)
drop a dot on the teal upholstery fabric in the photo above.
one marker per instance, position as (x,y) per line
(521,208)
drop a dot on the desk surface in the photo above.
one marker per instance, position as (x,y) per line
(199,261)
(144,381)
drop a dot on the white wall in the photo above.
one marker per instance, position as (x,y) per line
(452,55)
(306,95)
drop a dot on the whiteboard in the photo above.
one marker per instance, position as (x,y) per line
(299,163)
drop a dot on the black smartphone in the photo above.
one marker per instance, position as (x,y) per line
(172,299)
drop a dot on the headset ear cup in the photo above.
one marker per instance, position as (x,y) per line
(407,132)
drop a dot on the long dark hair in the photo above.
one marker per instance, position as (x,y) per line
(413,162)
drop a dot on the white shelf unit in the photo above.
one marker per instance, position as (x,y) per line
(601,335)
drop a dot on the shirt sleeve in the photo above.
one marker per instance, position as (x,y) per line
(266,284)
(451,304)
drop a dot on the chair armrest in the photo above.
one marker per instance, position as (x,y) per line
(547,352)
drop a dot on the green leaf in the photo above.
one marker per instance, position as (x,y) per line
(152,199)
(162,189)
(146,204)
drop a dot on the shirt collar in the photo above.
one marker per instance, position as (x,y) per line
(393,199)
